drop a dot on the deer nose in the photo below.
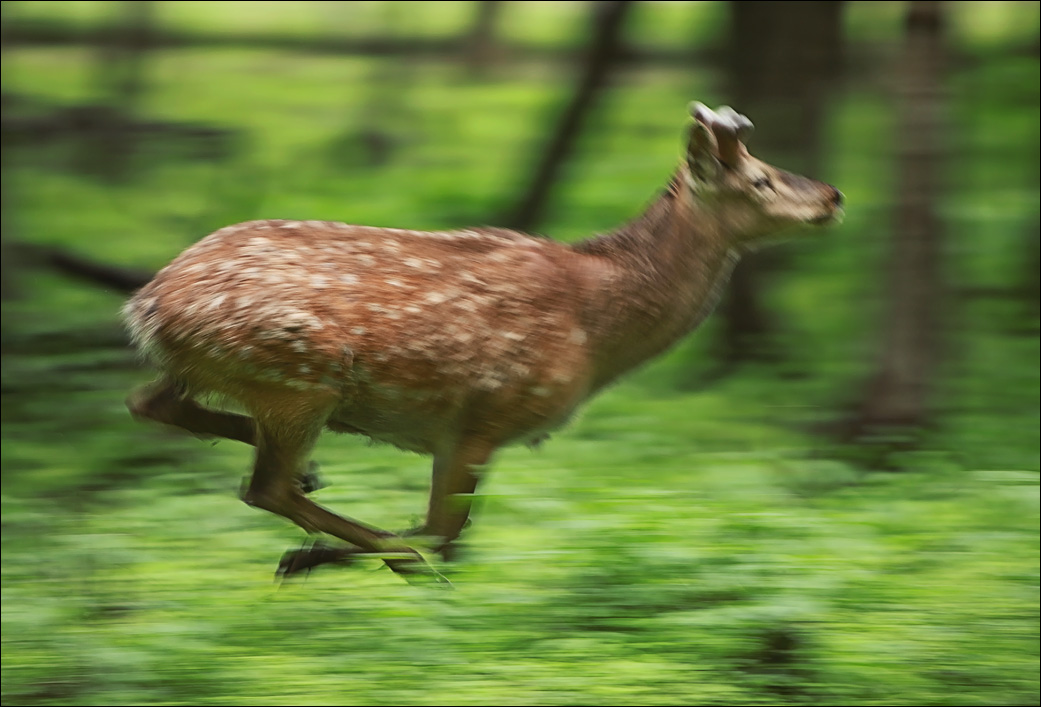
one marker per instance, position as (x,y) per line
(837,197)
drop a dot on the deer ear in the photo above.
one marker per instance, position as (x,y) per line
(701,153)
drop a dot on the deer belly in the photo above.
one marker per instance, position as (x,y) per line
(432,411)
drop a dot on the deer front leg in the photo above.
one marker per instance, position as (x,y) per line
(455,478)
(281,460)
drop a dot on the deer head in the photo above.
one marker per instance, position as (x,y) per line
(750,198)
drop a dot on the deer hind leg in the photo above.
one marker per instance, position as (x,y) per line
(281,460)
(455,478)
(164,401)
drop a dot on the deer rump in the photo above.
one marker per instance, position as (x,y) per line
(414,334)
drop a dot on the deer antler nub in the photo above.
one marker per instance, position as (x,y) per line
(726,119)
(729,127)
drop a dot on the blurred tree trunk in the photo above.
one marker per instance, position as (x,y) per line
(9,259)
(121,55)
(1030,279)
(120,81)
(608,20)
(384,116)
(480,46)
(895,398)
(8,264)
(783,60)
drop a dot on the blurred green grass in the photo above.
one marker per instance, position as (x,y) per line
(672,546)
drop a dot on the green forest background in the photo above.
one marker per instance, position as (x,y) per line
(751,519)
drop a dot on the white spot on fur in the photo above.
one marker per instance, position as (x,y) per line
(301,385)
(295,320)
(273,277)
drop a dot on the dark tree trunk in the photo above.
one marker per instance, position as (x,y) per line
(120,79)
(8,263)
(9,258)
(783,58)
(121,55)
(896,396)
(385,116)
(1031,277)
(608,19)
(480,45)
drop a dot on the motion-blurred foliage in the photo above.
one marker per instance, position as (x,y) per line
(681,543)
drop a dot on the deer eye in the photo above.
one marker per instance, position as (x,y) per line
(763,183)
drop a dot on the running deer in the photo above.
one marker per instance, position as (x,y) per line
(449,343)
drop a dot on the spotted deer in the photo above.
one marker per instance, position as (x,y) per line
(447,343)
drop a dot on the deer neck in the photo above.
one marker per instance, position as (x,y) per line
(658,277)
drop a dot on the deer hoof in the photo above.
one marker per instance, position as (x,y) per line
(452,551)
(311,481)
(306,558)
